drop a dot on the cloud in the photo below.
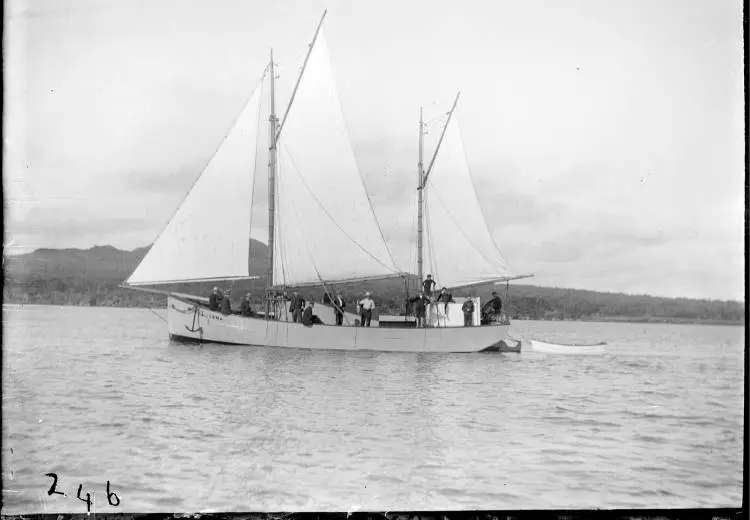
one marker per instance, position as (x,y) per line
(597,159)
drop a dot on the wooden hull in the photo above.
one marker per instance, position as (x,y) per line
(557,348)
(189,322)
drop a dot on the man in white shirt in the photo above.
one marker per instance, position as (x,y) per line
(366,306)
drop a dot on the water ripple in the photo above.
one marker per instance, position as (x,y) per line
(655,423)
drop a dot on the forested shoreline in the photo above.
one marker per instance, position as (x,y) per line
(91,278)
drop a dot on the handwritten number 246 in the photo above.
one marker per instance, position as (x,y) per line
(110,494)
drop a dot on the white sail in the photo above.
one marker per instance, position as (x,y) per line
(459,249)
(208,237)
(325,227)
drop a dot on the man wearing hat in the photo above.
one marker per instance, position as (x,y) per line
(214,299)
(366,306)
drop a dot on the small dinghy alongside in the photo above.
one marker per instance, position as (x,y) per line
(568,348)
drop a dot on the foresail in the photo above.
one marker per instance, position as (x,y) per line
(325,227)
(208,237)
(459,249)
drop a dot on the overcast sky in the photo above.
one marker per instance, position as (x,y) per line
(605,137)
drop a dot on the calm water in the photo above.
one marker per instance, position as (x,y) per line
(97,394)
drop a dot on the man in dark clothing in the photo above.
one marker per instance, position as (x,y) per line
(419,304)
(308,318)
(468,308)
(214,299)
(296,307)
(226,303)
(492,308)
(445,297)
(338,308)
(427,285)
(245,308)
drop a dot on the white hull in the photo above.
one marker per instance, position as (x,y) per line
(556,348)
(188,322)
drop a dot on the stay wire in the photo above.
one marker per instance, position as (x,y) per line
(314,265)
(476,194)
(307,187)
(361,178)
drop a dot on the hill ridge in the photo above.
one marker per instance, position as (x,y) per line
(91,276)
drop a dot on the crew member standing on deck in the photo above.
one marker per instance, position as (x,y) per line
(226,302)
(338,308)
(214,299)
(419,303)
(296,307)
(427,285)
(468,308)
(366,306)
(245,308)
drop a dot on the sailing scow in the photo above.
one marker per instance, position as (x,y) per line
(322,231)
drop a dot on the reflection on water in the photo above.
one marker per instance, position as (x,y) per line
(96,394)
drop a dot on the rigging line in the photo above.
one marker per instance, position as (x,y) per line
(359,172)
(293,64)
(430,241)
(476,193)
(283,262)
(330,296)
(375,218)
(158,315)
(490,263)
(433,259)
(414,251)
(211,158)
(296,170)
(314,265)
(261,121)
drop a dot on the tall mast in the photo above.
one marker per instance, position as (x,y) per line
(274,133)
(420,202)
(272,121)
(423,180)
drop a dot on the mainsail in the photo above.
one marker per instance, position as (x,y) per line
(325,226)
(208,237)
(460,250)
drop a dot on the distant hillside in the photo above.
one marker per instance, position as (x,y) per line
(92,276)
